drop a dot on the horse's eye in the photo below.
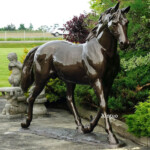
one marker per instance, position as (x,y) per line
(127,22)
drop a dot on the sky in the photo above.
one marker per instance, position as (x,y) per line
(40,12)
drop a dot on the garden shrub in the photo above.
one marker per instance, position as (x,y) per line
(139,122)
(135,72)
(84,94)
(55,90)
(25,52)
(135,62)
(77,29)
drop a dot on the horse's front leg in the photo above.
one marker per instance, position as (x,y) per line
(98,87)
(71,103)
(37,89)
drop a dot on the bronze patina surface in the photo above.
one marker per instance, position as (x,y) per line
(95,63)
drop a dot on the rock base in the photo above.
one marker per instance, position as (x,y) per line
(39,109)
(73,136)
(17,116)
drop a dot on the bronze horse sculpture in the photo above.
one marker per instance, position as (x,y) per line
(95,63)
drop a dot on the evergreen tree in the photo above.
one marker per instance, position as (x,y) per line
(22,27)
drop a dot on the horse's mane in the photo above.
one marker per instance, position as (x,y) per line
(93,32)
(110,11)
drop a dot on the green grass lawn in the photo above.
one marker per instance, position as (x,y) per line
(4,72)
(32,39)
(5,49)
(19,45)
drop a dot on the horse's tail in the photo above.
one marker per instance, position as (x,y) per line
(27,76)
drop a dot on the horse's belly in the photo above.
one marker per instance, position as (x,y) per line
(73,75)
(70,72)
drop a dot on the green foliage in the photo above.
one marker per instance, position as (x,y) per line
(135,62)
(139,25)
(135,72)
(91,20)
(100,6)
(30,27)
(84,94)
(10,27)
(19,45)
(138,16)
(55,90)
(25,52)
(32,39)
(139,122)
(22,27)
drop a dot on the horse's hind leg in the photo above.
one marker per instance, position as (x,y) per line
(70,99)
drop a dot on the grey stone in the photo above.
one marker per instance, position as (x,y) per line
(39,107)
(119,127)
(15,66)
(72,135)
(16,101)
(13,106)
(12,138)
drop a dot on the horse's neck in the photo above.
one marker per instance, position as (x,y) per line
(108,42)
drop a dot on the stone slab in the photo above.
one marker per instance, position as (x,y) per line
(11,116)
(118,127)
(10,89)
(72,135)
(11,138)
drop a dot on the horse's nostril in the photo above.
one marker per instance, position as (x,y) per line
(121,43)
(124,43)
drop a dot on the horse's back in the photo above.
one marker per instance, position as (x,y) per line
(63,58)
(67,61)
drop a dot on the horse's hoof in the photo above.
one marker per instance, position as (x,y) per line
(88,129)
(80,129)
(24,125)
(117,145)
(113,140)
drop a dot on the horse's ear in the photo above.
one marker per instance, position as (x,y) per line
(125,10)
(115,8)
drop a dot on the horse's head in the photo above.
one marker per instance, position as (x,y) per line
(118,24)
(114,19)
(102,22)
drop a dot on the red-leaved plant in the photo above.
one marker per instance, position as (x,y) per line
(77,29)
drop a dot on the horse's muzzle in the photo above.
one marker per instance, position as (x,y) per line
(124,45)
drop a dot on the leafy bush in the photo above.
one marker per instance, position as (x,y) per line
(25,51)
(77,29)
(135,72)
(55,90)
(135,62)
(139,122)
(84,94)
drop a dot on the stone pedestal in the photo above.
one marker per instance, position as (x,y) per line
(39,107)
(16,101)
